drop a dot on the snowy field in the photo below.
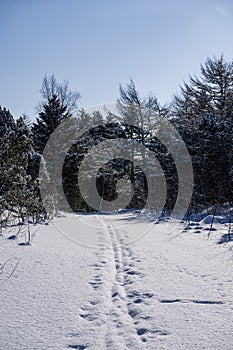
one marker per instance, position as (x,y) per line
(116,282)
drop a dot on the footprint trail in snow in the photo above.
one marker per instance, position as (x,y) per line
(116,305)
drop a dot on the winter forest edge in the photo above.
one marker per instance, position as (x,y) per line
(202,112)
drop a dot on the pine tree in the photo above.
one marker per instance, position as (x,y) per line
(6,121)
(7,124)
(203,113)
(17,188)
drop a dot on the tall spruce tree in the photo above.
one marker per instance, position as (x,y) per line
(52,115)
(58,103)
(49,119)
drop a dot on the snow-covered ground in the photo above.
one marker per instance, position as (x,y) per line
(116,282)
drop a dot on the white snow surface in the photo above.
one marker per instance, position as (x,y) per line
(116,282)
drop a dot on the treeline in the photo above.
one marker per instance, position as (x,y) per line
(202,112)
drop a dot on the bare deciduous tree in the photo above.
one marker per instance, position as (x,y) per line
(68,98)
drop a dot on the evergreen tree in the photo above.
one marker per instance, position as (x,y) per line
(17,188)
(7,124)
(57,105)
(6,121)
(49,119)
(203,113)
(78,151)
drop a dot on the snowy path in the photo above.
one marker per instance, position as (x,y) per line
(164,291)
(116,272)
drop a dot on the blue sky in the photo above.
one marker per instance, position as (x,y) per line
(98,44)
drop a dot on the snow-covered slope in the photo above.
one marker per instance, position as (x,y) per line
(116,290)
